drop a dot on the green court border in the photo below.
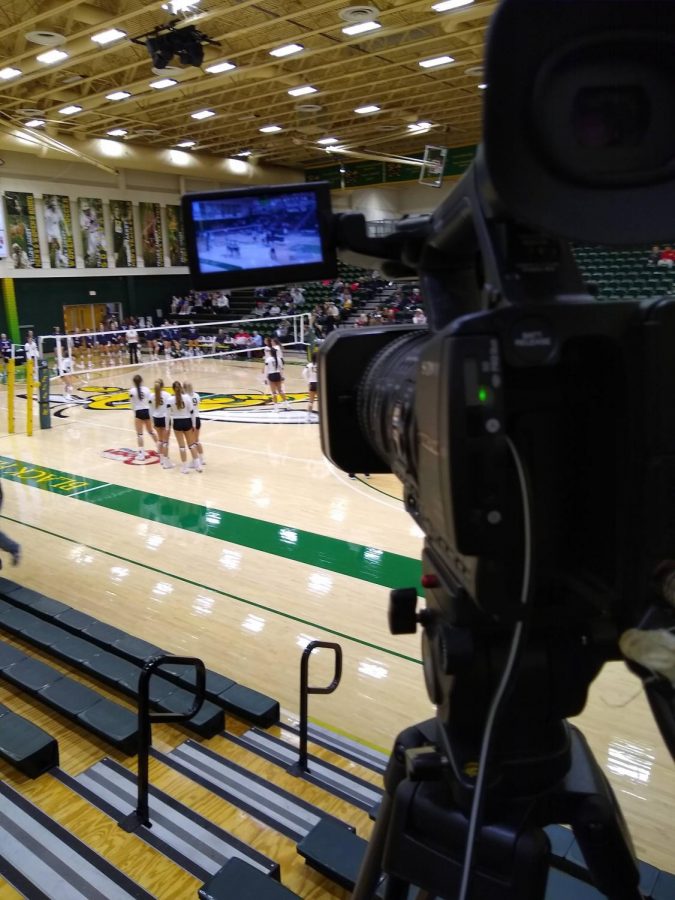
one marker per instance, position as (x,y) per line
(205,587)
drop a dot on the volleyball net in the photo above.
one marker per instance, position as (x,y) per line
(241,339)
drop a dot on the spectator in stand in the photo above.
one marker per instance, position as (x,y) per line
(255,344)
(222,301)
(654,255)
(275,309)
(419,318)
(297,295)
(362,319)
(260,308)
(338,286)
(666,258)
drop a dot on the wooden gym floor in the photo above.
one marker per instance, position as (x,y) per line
(267,549)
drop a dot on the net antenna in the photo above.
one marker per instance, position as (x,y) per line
(433,166)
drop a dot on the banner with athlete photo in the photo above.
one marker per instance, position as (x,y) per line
(22,236)
(123,233)
(151,235)
(92,230)
(176,236)
(4,248)
(59,230)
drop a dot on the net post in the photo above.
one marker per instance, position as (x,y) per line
(11,374)
(29,397)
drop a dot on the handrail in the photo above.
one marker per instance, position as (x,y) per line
(306,690)
(141,815)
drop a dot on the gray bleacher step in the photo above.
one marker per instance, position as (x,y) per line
(325,775)
(344,746)
(182,835)
(268,803)
(42,859)
(26,746)
(239,881)
(250,705)
(334,852)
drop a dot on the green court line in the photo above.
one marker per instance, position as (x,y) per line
(343,557)
(205,587)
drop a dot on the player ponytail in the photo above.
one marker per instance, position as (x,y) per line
(178,391)
(159,384)
(273,351)
(138,381)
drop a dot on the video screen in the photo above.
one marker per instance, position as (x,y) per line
(257,236)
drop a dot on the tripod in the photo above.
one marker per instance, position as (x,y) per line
(420,833)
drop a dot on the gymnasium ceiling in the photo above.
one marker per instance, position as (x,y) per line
(380,67)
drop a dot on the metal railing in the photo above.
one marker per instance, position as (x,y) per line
(141,815)
(306,690)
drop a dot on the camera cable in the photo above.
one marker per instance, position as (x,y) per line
(504,684)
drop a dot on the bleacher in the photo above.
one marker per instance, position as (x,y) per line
(623,274)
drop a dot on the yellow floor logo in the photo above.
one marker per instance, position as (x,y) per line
(255,407)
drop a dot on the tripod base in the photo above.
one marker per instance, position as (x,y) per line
(420,836)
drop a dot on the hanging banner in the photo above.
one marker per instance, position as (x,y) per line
(92,230)
(59,229)
(176,236)
(151,234)
(22,237)
(124,234)
(4,247)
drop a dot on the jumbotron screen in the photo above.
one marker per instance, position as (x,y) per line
(258,236)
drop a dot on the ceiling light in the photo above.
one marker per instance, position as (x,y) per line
(436,61)
(361,28)
(364,110)
(8,72)
(117,132)
(270,129)
(184,145)
(203,114)
(216,68)
(70,110)
(118,95)
(420,126)
(52,56)
(481,87)
(107,37)
(244,153)
(163,83)
(34,123)
(328,140)
(177,6)
(286,50)
(445,5)
(301,91)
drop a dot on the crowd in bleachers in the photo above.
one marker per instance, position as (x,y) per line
(201,303)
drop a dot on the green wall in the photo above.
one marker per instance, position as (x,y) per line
(40,300)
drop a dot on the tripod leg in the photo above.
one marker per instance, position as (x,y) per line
(370,871)
(599,826)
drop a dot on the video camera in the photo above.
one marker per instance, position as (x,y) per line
(532,427)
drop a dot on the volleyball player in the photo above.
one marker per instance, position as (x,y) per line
(310,376)
(196,422)
(276,344)
(5,354)
(180,410)
(140,403)
(272,365)
(159,409)
(193,340)
(66,373)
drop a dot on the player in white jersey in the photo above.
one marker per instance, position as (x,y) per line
(309,373)
(196,422)
(159,409)
(140,403)
(66,373)
(180,410)
(272,369)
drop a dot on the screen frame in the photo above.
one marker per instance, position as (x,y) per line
(266,275)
